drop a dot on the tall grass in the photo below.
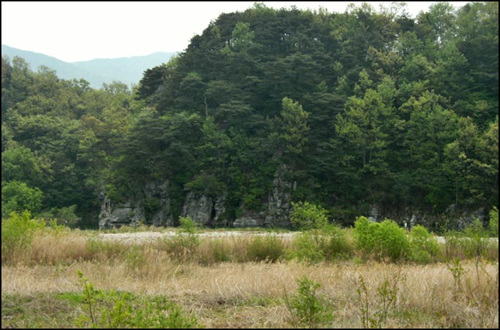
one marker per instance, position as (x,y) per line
(245,281)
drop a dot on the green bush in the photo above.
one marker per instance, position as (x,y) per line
(18,197)
(381,240)
(111,309)
(306,216)
(309,247)
(63,216)
(338,245)
(265,248)
(423,246)
(306,307)
(17,233)
(477,240)
(493,222)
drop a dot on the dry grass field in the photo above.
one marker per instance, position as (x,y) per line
(244,282)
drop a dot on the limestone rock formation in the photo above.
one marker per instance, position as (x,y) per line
(279,199)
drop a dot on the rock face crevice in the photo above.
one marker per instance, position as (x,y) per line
(205,210)
(280,198)
(151,206)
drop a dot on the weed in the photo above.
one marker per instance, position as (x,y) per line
(17,234)
(186,241)
(306,307)
(265,248)
(118,310)
(384,300)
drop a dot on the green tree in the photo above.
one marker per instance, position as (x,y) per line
(18,197)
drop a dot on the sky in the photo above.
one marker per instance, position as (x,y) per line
(81,31)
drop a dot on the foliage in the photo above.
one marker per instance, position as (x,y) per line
(18,197)
(364,108)
(477,239)
(423,246)
(493,222)
(308,309)
(308,216)
(17,233)
(309,247)
(382,240)
(385,297)
(186,241)
(265,248)
(122,310)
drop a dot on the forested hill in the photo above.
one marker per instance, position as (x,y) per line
(362,113)
(128,70)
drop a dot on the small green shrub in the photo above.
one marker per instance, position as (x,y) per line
(308,247)
(18,197)
(306,307)
(306,216)
(493,222)
(424,248)
(265,248)
(63,216)
(17,234)
(375,308)
(477,240)
(338,246)
(312,246)
(381,240)
(186,241)
(111,309)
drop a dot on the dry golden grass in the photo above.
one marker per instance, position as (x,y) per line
(254,294)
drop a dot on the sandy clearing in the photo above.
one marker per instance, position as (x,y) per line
(150,236)
(147,236)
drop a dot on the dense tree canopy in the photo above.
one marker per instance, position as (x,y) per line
(364,107)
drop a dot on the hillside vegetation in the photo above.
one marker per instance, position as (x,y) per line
(354,110)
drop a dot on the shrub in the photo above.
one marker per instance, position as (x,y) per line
(493,223)
(17,233)
(381,240)
(308,246)
(306,307)
(306,216)
(338,245)
(265,248)
(477,241)
(423,246)
(18,197)
(62,216)
(122,310)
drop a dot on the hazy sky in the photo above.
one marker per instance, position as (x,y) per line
(78,31)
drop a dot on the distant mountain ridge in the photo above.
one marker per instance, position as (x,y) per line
(128,70)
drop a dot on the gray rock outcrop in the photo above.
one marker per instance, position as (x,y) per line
(152,206)
(205,210)
(279,199)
